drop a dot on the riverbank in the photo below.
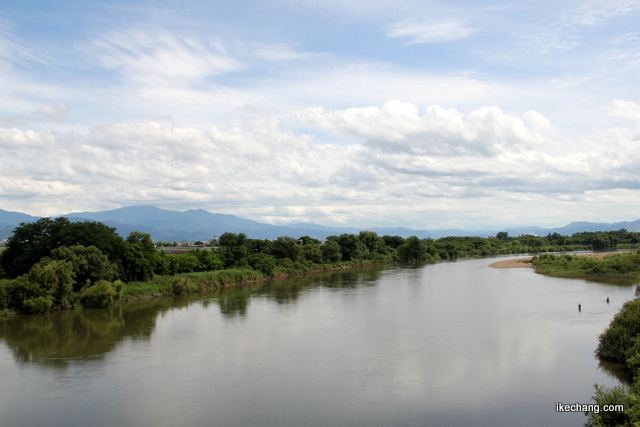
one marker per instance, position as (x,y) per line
(608,266)
(190,283)
(526,262)
(513,263)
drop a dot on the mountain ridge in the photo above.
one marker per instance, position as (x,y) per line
(198,224)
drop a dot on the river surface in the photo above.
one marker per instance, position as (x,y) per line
(446,344)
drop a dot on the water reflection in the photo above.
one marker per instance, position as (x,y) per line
(619,371)
(59,338)
(450,344)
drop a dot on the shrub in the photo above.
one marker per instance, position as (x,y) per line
(622,333)
(180,287)
(102,294)
(38,305)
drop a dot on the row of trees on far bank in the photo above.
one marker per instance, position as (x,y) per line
(54,263)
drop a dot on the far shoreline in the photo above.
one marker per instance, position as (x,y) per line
(522,262)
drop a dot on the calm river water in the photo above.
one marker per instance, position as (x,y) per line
(447,344)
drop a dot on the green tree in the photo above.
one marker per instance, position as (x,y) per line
(393,242)
(287,247)
(414,249)
(350,247)
(48,284)
(31,242)
(139,257)
(89,264)
(331,251)
(372,242)
(235,249)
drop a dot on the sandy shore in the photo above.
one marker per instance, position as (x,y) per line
(513,263)
(518,263)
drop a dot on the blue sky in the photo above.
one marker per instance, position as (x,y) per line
(423,114)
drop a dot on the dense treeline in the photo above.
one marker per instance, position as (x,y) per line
(56,263)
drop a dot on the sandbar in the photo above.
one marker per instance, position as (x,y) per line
(513,263)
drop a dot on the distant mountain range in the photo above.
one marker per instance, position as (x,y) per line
(198,224)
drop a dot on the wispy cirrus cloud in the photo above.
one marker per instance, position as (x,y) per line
(429,31)
(573,27)
(163,57)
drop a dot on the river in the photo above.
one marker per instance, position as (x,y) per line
(446,344)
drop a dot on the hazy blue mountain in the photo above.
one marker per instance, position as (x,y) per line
(197,224)
(10,220)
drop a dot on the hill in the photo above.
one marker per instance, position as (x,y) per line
(198,224)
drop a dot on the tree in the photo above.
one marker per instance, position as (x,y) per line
(287,247)
(89,264)
(139,257)
(601,241)
(311,249)
(31,242)
(502,235)
(393,241)
(372,242)
(350,247)
(414,249)
(235,249)
(48,283)
(331,251)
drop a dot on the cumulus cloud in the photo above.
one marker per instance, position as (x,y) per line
(398,162)
(625,109)
(398,127)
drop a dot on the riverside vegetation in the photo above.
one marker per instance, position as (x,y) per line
(620,342)
(55,263)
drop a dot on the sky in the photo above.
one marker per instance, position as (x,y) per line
(422,114)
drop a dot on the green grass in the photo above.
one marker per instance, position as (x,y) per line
(187,283)
(624,265)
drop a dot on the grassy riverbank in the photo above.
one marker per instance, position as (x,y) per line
(603,266)
(189,283)
(175,285)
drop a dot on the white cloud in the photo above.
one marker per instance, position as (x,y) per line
(44,114)
(429,31)
(625,109)
(573,26)
(400,162)
(154,58)
(397,127)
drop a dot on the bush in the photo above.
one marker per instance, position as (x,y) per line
(102,294)
(39,305)
(4,294)
(610,396)
(180,287)
(621,335)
